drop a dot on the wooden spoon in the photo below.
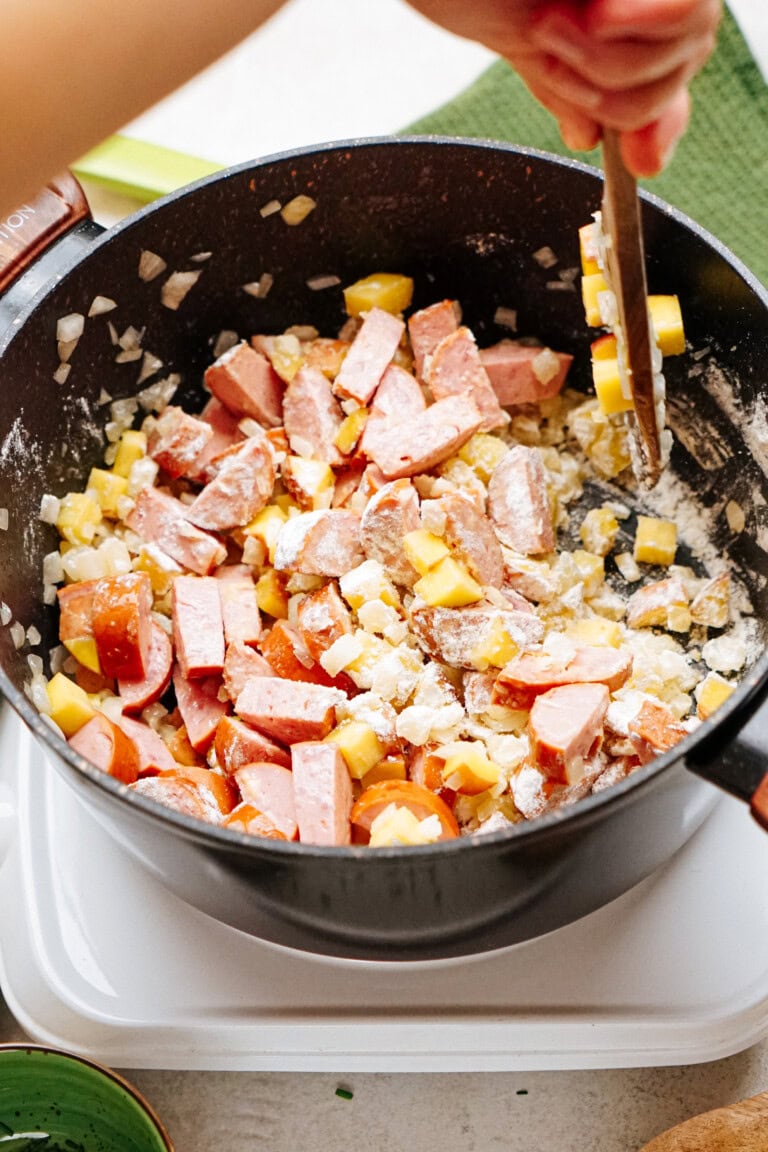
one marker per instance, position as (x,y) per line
(741,1127)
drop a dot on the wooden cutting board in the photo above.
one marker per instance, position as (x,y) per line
(741,1127)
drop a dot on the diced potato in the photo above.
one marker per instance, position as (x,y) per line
(655,541)
(271,596)
(469,770)
(713,691)
(386,290)
(83,648)
(70,706)
(711,606)
(483,453)
(607,381)
(287,356)
(424,549)
(389,768)
(351,430)
(310,482)
(368,581)
(266,526)
(599,530)
(667,322)
(495,649)
(604,348)
(131,447)
(679,618)
(79,517)
(597,631)
(588,250)
(160,568)
(107,487)
(591,287)
(448,585)
(359,745)
(402,826)
(591,570)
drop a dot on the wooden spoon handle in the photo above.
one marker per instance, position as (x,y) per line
(741,1127)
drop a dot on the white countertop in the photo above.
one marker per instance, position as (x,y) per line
(371,78)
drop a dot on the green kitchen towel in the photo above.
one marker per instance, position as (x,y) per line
(719,173)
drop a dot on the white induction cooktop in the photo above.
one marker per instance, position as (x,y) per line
(97,957)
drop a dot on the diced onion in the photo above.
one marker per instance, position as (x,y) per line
(150,265)
(70,327)
(318,283)
(506,318)
(270,208)
(100,305)
(156,397)
(260,288)
(57,656)
(103,398)
(545,257)
(18,635)
(65,348)
(297,210)
(131,338)
(200,257)
(128,356)
(3,519)
(176,288)
(225,340)
(35,663)
(33,636)
(62,372)
(5,613)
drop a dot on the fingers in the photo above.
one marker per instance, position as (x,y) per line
(649,19)
(649,150)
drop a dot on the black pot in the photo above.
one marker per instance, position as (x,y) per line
(464,219)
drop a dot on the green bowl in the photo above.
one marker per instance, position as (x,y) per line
(52,1101)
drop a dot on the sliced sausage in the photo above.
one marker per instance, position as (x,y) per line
(154,754)
(200,708)
(531,673)
(239,608)
(322,789)
(289,711)
(284,648)
(470,536)
(391,513)
(245,818)
(269,788)
(242,485)
(136,695)
(655,730)
(177,440)
(122,624)
(225,434)
(369,354)
(217,786)
(565,728)
(162,520)
(524,374)
(236,743)
(198,626)
(240,663)
(453,635)
(427,327)
(322,617)
(322,543)
(312,416)
(76,610)
(407,447)
(455,369)
(181,794)
(106,746)
(246,383)
(518,503)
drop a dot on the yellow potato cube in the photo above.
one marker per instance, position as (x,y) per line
(310,482)
(386,290)
(359,745)
(389,768)
(402,826)
(713,691)
(266,526)
(79,517)
(160,568)
(70,706)
(591,287)
(604,348)
(655,541)
(599,530)
(483,453)
(588,248)
(424,550)
(597,631)
(83,648)
(131,447)
(286,355)
(712,605)
(107,487)
(608,389)
(448,585)
(495,649)
(667,323)
(469,770)
(271,596)
(351,430)
(368,581)
(679,618)
(591,570)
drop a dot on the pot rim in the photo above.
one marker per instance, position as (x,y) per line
(578,815)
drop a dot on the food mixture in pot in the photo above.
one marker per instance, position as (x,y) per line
(380,589)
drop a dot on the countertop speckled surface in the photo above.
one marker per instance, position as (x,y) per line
(251,103)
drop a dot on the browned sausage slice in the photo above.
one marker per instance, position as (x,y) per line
(407,447)
(523,374)
(565,728)
(323,793)
(177,440)
(162,520)
(389,515)
(242,485)
(455,369)
(428,327)
(370,352)
(269,787)
(246,383)
(136,695)
(531,673)
(287,710)
(518,503)
(322,543)
(105,745)
(470,536)
(236,744)
(122,624)
(312,416)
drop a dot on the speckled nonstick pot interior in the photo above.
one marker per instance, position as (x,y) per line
(464,219)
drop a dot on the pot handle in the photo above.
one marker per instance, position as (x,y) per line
(28,231)
(734,756)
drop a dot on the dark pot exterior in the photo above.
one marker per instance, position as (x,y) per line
(464,218)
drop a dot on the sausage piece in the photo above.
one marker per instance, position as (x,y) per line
(137,694)
(177,440)
(565,727)
(518,503)
(104,744)
(122,624)
(246,383)
(236,743)
(269,788)
(427,327)
(198,627)
(455,369)
(391,513)
(200,708)
(407,447)
(470,536)
(369,354)
(288,711)
(528,675)
(242,485)
(523,374)
(312,416)
(322,543)
(162,520)
(322,790)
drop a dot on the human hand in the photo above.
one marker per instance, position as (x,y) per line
(625,64)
